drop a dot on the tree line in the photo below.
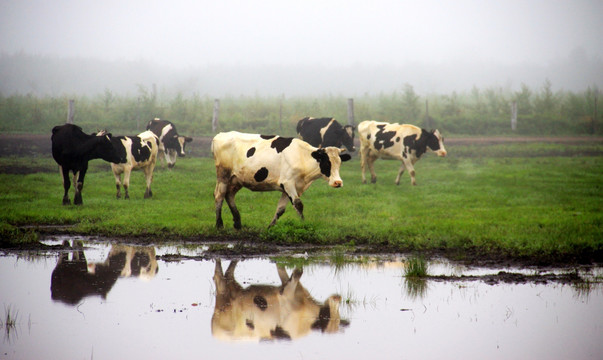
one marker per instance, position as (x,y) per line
(487,111)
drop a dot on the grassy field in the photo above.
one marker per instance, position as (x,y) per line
(485,200)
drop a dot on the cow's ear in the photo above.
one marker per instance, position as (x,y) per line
(188,139)
(345,157)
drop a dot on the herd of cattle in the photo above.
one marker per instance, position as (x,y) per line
(257,162)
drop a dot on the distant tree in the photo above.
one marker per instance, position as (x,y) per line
(410,105)
(546,102)
(524,100)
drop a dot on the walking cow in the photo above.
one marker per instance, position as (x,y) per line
(72,149)
(394,141)
(136,152)
(270,163)
(171,145)
(325,132)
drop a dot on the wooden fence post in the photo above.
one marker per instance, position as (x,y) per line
(214,120)
(351,111)
(71,112)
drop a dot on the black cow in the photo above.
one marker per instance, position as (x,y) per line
(325,132)
(170,143)
(72,149)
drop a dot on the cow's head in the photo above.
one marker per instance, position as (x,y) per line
(436,143)
(330,159)
(105,148)
(347,137)
(174,148)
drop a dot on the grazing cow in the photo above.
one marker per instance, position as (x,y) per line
(72,149)
(394,141)
(264,312)
(325,132)
(170,143)
(270,163)
(136,152)
(74,279)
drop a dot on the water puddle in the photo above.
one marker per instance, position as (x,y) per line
(109,301)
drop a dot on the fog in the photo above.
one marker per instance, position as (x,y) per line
(298,47)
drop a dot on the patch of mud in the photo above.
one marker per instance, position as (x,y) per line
(514,278)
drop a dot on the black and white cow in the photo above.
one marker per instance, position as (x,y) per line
(394,141)
(136,152)
(72,149)
(270,163)
(74,279)
(264,312)
(170,143)
(325,132)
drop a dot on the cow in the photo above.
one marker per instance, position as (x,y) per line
(72,149)
(394,141)
(75,279)
(171,145)
(265,312)
(325,132)
(270,163)
(136,152)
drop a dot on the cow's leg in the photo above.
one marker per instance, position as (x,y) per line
(66,184)
(288,290)
(219,194)
(148,174)
(280,208)
(400,172)
(282,274)
(117,176)
(126,183)
(79,186)
(371,163)
(363,159)
(231,191)
(411,170)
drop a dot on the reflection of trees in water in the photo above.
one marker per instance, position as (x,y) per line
(74,278)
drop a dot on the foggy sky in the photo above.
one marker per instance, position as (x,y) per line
(183,34)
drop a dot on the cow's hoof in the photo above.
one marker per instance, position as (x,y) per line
(66,202)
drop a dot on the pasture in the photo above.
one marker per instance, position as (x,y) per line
(541,202)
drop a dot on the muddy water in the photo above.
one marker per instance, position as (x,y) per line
(114,301)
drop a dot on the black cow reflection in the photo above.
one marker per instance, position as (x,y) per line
(74,279)
(264,312)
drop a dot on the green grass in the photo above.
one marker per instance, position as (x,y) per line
(548,206)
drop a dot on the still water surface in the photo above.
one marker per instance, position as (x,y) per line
(115,301)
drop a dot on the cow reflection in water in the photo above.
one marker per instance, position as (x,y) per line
(74,279)
(264,312)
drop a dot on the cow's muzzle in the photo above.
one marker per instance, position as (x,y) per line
(337,184)
(442,153)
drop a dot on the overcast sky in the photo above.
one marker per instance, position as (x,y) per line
(188,33)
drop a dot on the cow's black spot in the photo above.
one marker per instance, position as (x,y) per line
(250,152)
(280,333)
(260,302)
(383,139)
(261,174)
(139,151)
(397,139)
(281,143)
(267,137)
(404,154)
(249,324)
(368,137)
(323,159)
